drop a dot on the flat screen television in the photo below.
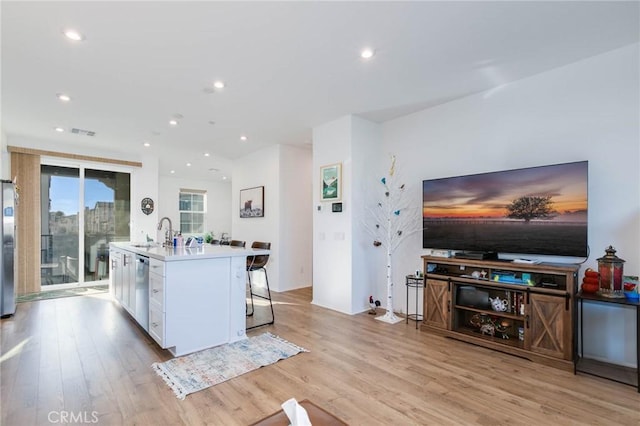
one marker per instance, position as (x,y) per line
(535,211)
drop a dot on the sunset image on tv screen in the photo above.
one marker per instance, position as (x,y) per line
(535,210)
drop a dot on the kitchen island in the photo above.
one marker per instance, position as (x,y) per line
(188,299)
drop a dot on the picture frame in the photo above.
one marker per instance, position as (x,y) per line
(331,182)
(252,202)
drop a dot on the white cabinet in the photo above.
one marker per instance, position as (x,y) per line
(115,273)
(122,278)
(156,301)
(197,304)
(128,299)
(196,297)
(190,304)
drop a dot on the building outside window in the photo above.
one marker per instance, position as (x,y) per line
(83,210)
(192,211)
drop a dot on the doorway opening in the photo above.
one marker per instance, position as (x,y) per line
(83,210)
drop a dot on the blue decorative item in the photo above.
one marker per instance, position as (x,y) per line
(383,180)
(397,212)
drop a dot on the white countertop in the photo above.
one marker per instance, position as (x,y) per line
(205,251)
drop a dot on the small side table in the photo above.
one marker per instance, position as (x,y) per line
(417,283)
(626,375)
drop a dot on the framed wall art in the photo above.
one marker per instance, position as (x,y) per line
(331,182)
(252,202)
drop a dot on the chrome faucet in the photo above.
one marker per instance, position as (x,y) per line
(168,235)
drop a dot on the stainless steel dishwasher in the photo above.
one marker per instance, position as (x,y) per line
(142,291)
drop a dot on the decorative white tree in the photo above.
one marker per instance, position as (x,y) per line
(394,219)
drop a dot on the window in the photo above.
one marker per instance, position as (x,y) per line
(83,210)
(192,211)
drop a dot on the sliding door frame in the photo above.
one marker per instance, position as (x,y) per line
(82,166)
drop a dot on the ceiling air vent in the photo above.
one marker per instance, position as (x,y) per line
(83,132)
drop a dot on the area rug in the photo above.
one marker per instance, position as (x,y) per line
(67,292)
(200,370)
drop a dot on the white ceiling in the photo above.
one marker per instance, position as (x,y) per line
(288,66)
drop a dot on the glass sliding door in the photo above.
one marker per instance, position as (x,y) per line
(60,201)
(106,218)
(74,239)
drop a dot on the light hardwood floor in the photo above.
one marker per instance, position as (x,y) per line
(85,354)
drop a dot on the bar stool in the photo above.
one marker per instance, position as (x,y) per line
(256,263)
(237,243)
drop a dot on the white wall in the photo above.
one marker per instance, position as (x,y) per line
(296,210)
(285,173)
(346,264)
(369,165)
(5,170)
(261,168)
(218,216)
(144,183)
(332,252)
(588,110)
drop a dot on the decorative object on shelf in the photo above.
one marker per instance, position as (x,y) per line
(610,268)
(630,285)
(499,305)
(590,281)
(331,182)
(487,325)
(147,206)
(252,202)
(393,221)
(502,326)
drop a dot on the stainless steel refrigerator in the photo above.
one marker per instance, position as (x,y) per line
(7,254)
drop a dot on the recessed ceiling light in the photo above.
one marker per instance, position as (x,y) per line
(72,34)
(218,84)
(63,97)
(173,122)
(59,129)
(367,53)
(172,171)
(147,144)
(224,178)
(243,138)
(206,154)
(188,164)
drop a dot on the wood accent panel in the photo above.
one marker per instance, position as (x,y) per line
(84,354)
(31,151)
(550,332)
(436,303)
(26,169)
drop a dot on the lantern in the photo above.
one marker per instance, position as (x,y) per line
(610,269)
